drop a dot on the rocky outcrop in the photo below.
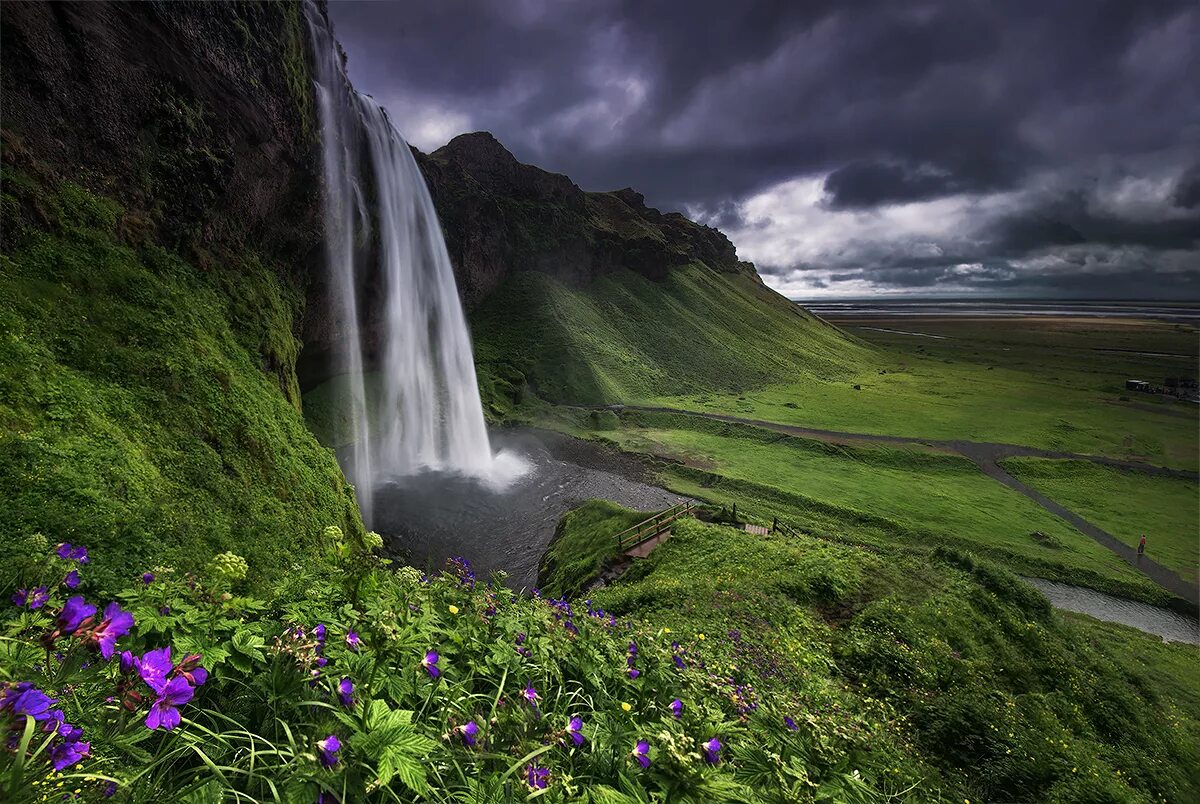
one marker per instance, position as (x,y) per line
(501,216)
(196,117)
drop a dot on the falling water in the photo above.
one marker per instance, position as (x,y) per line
(426,414)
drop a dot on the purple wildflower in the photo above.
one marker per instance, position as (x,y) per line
(677,708)
(154,667)
(469,733)
(329,748)
(430,663)
(19,597)
(327,798)
(791,724)
(116,623)
(353,642)
(319,633)
(712,751)
(126,661)
(71,579)
(77,553)
(147,578)
(26,699)
(38,598)
(68,752)
(322,661)
(633,672)
(641,752)
(190,669)
(110,790)
(74,612)
(536,776)
(531,695)
(346,692)
(575,730)
(164,712)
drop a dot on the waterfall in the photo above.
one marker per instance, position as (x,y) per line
(383,237)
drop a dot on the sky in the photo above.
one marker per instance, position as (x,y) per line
(1033,148)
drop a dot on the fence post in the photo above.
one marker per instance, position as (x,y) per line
(774,523)
(735,513)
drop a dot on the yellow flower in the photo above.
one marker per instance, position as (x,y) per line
(700,637)
(454,609)
(666,630)
(627,707)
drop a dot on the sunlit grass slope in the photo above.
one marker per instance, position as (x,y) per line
(135,410)
(1126,504)
(624,338)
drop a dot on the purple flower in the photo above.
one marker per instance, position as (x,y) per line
(328,749)
(154,667)
(536,776)
(633,672)
(319,633)
(68,553)
(74,612)
(38,598)
(110,790)
(26,699)
(190,669)
(712,751)
(164,712)
(352,641)
(430,663)
(126,661)
(677,708)
(327,798)
(469,733)
(575,730)
(322,661)
(346,692)
(147,578)
(68,752)
(116,623)
(791,724)
(530,695)
(71,580)
(641,752)
(19,597)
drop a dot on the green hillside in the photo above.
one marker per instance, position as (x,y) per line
(624,338)
(135,412)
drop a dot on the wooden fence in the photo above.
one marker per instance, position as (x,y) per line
(647,529)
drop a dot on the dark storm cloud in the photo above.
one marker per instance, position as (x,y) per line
(705,104)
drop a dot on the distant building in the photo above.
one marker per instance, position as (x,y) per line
(1137,385)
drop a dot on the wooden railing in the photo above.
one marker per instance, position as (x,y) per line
(778,525)
(647,529)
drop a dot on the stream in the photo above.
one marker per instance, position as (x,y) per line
(1169,625)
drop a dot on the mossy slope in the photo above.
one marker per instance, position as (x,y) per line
(142,400)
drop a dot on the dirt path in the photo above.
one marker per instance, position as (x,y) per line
(987,456)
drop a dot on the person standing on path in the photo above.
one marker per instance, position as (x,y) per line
(1141,545)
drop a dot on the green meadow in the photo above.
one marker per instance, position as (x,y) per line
(1126,504)
(870,493)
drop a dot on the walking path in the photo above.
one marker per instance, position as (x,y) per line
(987,456)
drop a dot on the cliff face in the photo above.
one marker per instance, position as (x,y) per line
(501,216)
(196,117)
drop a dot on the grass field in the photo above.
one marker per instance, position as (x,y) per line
(897,496)
(1126,504)
(921,397)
